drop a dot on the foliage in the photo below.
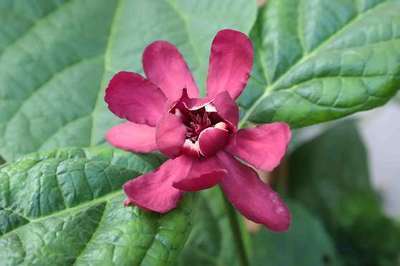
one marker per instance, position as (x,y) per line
(211,242)
(321,60)
(66,207)
(330,175)
(315,61)
(306,243)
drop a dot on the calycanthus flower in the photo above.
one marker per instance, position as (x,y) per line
(199,135)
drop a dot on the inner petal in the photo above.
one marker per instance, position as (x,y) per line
(206,131)
(213,139)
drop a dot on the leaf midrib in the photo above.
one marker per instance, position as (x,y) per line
(92,236)
(271,87)
(75,209)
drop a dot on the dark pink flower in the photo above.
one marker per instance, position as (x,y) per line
(199,135)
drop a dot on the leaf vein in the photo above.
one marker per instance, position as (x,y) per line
(271,87)
(34,25)
(93,234)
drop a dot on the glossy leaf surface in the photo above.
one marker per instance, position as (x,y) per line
(66,207)
(321,60)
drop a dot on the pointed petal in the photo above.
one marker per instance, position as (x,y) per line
(154,191)
(165,66)
(262,146)
(251,197)
(227,108)
(204,174)
(170,135)
(185,102)
(135,98)
(133,137)
(230,64)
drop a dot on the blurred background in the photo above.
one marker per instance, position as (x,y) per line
(379,129)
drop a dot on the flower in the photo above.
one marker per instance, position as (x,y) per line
(199,135)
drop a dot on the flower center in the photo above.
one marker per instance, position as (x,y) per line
(206,131)
(198,120)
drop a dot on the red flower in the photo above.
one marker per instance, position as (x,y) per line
(200,136)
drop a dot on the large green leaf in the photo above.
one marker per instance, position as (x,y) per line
(56,57)
(66,207)
(330,175)
(306,243)
(318,60)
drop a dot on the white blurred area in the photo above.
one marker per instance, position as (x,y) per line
(380,129)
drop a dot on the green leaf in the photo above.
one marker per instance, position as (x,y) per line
(330,176)
(66,207)
(306,243)
(204,243)
(211,242)
(57,56)
(320,60)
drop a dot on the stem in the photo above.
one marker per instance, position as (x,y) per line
(236,232)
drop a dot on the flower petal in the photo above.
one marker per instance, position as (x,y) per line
(204,174)
(133,137)
(213,139)
(253,198)
(230,64)
(165,66)
(154,191)
(135,98)
(227,108)
(204,181)
(170,135)
(262,146)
